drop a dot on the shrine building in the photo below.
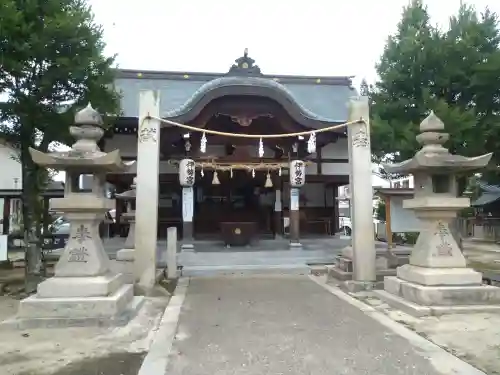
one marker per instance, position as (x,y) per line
(237,186)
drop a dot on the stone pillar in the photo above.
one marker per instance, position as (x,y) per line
(278,208)
(146,214)
(297,179)
(363,242)
(186,179)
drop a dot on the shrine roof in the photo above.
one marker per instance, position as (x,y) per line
(312,101)
(490,194)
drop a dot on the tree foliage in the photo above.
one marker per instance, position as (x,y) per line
(380,210)
(51,62)
(455,72)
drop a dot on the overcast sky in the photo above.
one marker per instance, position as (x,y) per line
(313,37)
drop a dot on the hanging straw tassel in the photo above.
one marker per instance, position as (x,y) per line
(311,143)
(261,148)
(203,143)
(269,182)
(215,180)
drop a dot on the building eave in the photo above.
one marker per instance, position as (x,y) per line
(207,76)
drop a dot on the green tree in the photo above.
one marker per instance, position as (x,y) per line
(455,72)
(52,62)
(380,210)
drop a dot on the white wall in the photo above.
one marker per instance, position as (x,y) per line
(403,220)
(10,178)
(337,150)
(11,169)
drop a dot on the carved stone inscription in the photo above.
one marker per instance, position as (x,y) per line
(147,134)
(78,255)
(82,234)
(360,138)
(444,248)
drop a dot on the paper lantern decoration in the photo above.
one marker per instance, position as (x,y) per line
(297,173)
(186,172)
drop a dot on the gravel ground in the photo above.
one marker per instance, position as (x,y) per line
(112,364)
(475,338)
(78,351)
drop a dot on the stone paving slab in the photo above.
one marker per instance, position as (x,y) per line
(284,324)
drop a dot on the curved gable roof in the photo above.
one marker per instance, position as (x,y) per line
(244,86)
(312,101)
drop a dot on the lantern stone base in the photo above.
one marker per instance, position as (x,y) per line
(439,276)
(115,309)
(385,264)
(421,291)
(78,301)
(62,287)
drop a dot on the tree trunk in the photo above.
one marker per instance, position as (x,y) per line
(30,194)
(462,182)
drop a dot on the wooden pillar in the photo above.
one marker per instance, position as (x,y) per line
(297,179)
(6,216)
(187,217)
(187,174)
(277,213)
(46,216)
(294,216)
(319,161)
(388,228)
(336,213)
(119,208)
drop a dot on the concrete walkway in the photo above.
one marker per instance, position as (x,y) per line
(288,324)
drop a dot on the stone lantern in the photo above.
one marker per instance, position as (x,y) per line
(437,278)
(129,216)
(83,288)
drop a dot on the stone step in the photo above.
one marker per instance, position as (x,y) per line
(290,269)
(336,274)
(318,269)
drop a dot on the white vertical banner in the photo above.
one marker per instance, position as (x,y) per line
(277,201)
(3,248)
(187,204)
(294,199)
